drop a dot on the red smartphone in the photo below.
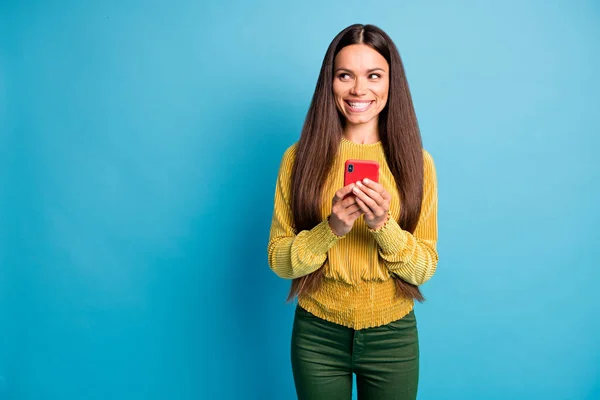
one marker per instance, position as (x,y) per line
(357,170)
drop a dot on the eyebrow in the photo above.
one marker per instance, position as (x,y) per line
(368,71)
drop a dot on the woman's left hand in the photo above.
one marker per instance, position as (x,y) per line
(374,201)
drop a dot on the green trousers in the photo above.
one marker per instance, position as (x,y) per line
(325,355)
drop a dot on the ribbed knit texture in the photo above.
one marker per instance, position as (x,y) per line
(357,291)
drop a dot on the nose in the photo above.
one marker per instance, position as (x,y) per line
(359,88)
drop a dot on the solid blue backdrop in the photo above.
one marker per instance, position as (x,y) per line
(140,143)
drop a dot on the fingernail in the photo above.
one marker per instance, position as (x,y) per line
(359,183)
(367,180)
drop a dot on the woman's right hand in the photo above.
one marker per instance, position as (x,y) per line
(344,211)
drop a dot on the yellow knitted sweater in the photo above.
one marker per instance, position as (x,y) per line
(358,291)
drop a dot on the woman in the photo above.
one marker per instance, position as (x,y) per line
(357,254)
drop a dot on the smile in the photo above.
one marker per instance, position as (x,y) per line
(358,106)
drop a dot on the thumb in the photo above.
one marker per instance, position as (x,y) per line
(348,189)
(343,192)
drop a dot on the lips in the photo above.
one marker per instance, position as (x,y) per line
(358,106)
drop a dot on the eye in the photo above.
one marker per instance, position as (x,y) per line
(344,76)
(374,76)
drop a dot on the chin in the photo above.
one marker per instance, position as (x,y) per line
(359,121)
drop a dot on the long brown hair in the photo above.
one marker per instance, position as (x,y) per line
(322,133)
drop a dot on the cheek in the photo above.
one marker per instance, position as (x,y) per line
(383,94)
(337,88)
(384,98)
(338,94)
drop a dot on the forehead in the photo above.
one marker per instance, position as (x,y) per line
(359,57)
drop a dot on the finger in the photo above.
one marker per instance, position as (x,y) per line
(356,214)
(372,193)
(342,214)
(376,211)
(364,208)
(348,201)
(386,196)
(378,187)
(372,204)
(341,193)
(352,209)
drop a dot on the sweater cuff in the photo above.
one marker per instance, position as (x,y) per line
(321,238)
(391,238)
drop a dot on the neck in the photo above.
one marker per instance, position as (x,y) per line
(362,133)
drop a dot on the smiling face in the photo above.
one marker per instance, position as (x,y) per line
(361,80)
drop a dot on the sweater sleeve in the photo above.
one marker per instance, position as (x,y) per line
(413,257)
(291,254)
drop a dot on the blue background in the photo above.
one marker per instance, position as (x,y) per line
(140,143)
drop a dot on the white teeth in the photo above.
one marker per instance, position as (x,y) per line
(359,105)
